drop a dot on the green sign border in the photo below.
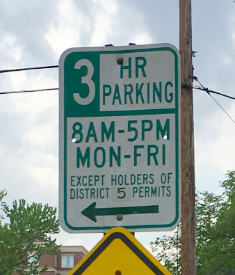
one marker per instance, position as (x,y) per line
(161,47)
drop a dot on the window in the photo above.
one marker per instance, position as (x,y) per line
(32,258)
(67,261)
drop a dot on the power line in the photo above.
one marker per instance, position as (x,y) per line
(209,93)
(202,88)
(222,108)
(213,92)
(27,69)
(29,91)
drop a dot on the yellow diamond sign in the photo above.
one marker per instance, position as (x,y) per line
(119,253)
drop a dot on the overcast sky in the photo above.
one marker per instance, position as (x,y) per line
(36,32)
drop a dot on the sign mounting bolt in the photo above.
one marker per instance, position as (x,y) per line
(120,61)
(119,217)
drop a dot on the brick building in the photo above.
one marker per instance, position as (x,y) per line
(64,261)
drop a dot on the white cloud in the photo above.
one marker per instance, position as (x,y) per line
(11,47)
(103,21)
(41,136)
(226,59)
(73,241)
(65,31)
(90,240)
(231,24)
(142,38)
(44,171)
(215,145)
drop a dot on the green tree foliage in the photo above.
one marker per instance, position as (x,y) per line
(215,234)
(23,225)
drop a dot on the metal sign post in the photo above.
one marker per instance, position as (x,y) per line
(120,138)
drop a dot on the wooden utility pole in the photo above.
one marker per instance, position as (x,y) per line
(188,247)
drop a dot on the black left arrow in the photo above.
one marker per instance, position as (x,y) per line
(91,211)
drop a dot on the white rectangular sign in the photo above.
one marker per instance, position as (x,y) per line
(120,138)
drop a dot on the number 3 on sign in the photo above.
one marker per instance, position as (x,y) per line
(86,80)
